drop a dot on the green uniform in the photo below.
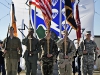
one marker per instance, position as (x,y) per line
(88,58)
(12,55)
(31,60)
(47,63)
(65,65)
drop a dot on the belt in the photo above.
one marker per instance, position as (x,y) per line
(89,54)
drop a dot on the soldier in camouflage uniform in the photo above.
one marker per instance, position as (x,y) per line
(12,52)
(88,48)
(65,57)
(31,54)
(48,58)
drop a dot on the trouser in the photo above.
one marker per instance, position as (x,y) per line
(11,66)
(88,68)
(67,70)
(2,69)
(79,66)
(31,66)
(19,68)
(47,68)
(74,67)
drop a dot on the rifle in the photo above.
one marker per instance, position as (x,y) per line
(6,41)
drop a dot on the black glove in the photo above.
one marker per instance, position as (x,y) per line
(99,56)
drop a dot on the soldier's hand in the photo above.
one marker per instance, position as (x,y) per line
(66,57)
(18,49)
(30,33)
(39,62)
(84,52)
(30,52)
(94,62)
(49,55)
(5,51)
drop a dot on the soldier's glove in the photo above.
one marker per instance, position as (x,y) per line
(30,33)
(99,56)
(30,52)
(84,52)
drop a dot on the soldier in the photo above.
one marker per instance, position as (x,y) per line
(31,54)
(65,57)
(12,52)
(2,63)
(87,50)
(49,50)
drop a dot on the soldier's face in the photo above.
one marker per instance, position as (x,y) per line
(11,31)
(48,34)
(1,44)
(88,35)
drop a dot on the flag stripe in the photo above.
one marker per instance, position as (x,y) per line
(46,9)
(34,3)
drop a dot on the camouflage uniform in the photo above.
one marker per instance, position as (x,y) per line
(12,55)
(47,63)
(88,58)
(31,60)
(65,65)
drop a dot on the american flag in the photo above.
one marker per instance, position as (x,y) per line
(34,2)
(45,7)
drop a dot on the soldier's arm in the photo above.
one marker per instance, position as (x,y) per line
(20,47)
(73,50)
(95,47)
(80,49)
(24,41)
(59,43)
(38,47)
(4,43)
(55,49)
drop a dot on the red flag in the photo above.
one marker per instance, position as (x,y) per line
(14,20)
(78,32)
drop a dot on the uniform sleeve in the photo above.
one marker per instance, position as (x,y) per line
(59,43)
(20,47)
(37,47)
(24,41)
(95,47)
(55,49)
(73,50)
(4,43)
(81,48)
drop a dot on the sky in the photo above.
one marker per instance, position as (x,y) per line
(5,17)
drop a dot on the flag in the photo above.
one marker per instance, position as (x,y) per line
(69,14)
(45,6)
(14,20)
(78,32)
(34,2)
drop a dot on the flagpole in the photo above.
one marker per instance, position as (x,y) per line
(35,21)
(30,27)
(60,18)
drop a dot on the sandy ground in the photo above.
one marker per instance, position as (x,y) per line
(95,73)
